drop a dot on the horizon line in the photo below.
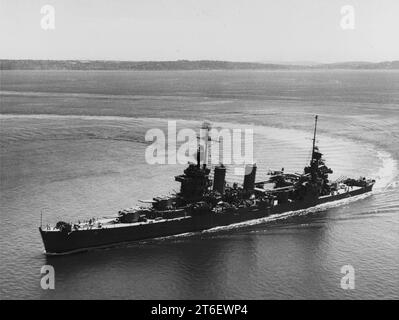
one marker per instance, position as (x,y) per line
(199,60)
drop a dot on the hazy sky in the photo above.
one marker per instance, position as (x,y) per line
(239,30)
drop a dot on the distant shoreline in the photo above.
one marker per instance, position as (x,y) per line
(185,65)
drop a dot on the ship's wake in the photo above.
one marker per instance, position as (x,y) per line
(387,173)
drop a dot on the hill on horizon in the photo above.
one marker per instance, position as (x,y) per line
(26,64)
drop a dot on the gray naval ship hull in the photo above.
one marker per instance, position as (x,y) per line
(57,242)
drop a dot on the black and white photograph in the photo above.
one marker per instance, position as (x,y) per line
(199,150)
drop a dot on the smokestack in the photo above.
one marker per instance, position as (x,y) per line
(249,178)
(219,178)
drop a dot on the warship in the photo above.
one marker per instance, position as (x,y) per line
(204,203)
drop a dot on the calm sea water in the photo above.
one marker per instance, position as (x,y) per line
(72,146)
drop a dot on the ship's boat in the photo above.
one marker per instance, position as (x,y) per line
(203,203)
